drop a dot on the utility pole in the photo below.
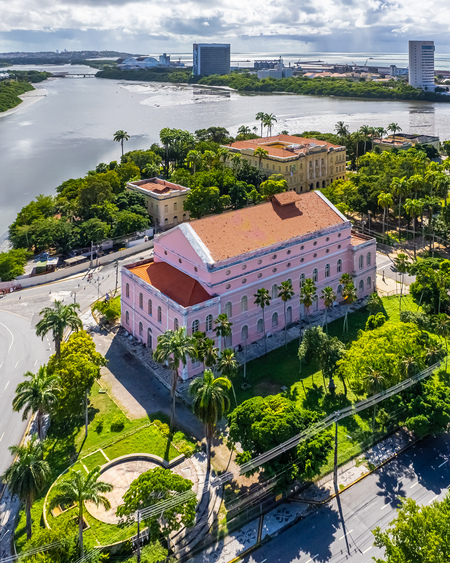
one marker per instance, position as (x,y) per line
(245,359)
(86,412)
(138,553)
(117,276)
(92,252)
(335,475)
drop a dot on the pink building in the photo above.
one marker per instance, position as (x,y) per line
(215,265)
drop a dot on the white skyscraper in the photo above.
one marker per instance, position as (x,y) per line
(421,64)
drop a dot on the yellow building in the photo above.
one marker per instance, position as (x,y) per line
(164,201)
(306,164)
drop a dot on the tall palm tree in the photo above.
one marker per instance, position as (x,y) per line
(194,160)
(385,201)
(402,264)
(374,303)
(27,475)
(210,403)
(208,158)
(244,131)
(329,297)
(308,294)
(380,131)
(357,137)
(38,394)
(56,319)
(121,136)
(260,153)
(394,127)
(222,328)
(228,366)
(260,116)
(286,292)
(174,347)
(79,488)
(373,382)
(263,300)
(400,187)
(350,296)
(442,183)
(414,208)
(341,129)
(236,161)
(269,122)
(365,131)
(208,353)
(167,137)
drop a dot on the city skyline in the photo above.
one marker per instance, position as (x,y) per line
(336,26)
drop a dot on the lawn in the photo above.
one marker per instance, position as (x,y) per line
(147,440)
(94,460)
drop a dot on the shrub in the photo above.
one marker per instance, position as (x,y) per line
(375,321)
(97,425)
(422,320)
(163,428)
(117,423)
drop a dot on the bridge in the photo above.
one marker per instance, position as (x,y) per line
(73,74)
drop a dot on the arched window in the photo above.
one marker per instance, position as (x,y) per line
(369,258)
(315,275)
(274,291)
(149,339)
(361,261)
(327,271)
(289,315)
(229,309)
(127,290)
(228,341)
(260,326)
(209,323)
(244,303)
(244,333)
(195,326)
(141,301)
(150,307)
(127,318)
(141,329)
(369,283)
(339,290)
(274,320)
(339,266)
(159,315)
(175,324)
(302,280)
(361,285)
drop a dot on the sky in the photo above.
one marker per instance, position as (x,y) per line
(285,26)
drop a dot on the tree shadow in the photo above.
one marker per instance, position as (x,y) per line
(313,397)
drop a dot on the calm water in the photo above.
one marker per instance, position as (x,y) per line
(69,131)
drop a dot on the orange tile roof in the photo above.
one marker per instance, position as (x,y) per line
(175,284)
(248,229)
(158,186)
(357,240)
(271,145)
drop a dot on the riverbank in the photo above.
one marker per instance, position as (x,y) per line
(28,99)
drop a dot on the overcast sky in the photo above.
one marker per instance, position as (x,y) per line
(287,26)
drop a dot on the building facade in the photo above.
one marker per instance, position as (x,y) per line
(211,58)
(421,64)
(164,201)
(306,164)
(216,264)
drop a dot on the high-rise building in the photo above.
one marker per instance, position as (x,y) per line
(211,58)
(421,64)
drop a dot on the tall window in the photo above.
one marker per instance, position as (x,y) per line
(141,301)
(274,291)
(150,307)
(339,266)
(127,290)
(361,285)
(302,280)
(260,326)
(274,320)
(244,333)
(315,274)
(339,290)
(289,315)
(127,318)
(159,315)
(209,323)
(195,325)
(361,261)
(141,329)
(327,271)
(244,303)
(369,283)
(229,309)
(175,324)
(369,259)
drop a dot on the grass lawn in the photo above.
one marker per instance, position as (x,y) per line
(147,440)
(94,460)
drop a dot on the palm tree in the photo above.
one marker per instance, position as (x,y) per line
(365,131)
(374,303)
(329,297)
(227,363)
(79,488)
(357,137)
(121,136)
(394,127)
(193,159)
(56,319)
(210,403)
(350,296)
(166,136)
(27,475)
(400,187)
(308,294)
(208,158)
(236,161)
(442,328)
(402,264)
(260,153)
(260,116)
(222,328)
(286,292)
(380,131)
(174,347)
(38,394)
(244,131)
(414,208)
(208,353)
(263,300)
(269,122)
(385,201)
(373,383)
(341,129)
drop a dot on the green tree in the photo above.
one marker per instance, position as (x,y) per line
(441,323)
(260,116)
(329,297)
(385,201)
(269,121)
(27,475)
(414,208)
(350,296)
(36,395)
(395,128)
(56,320)
(174,347)
(286,292)
(402,264)
(429,410)
(308,294)
(128,222)
(210,403)
(262,299)
(79,488)
(244,131)
(260,153)
(120,136)
(239,194)
(12,263)
(341,129)
(194,160)
(274,185)
(400,187)
(203,200)
(374,303)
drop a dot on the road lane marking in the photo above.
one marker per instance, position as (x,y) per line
(2,437)
(17,363)
(433,499)
(346,533)
(12,336)
(367,550)
(415,485)
(385,506)
(6,385)
(1,364)
(35,362)
(443,463)
(312,558)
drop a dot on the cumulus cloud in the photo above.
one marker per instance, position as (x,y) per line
(147,25)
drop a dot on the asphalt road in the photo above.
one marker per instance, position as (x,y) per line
(385,264)
(341,531)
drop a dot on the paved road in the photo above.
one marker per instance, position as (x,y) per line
(342,529)
(385,264)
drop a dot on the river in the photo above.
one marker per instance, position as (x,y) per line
(70,130)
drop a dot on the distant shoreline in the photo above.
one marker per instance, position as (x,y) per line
(28,99)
